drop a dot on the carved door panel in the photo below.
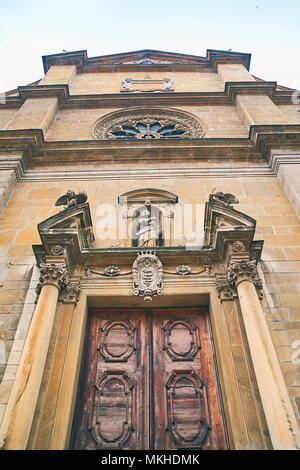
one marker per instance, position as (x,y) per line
(187,412)
(149,382)
(110,410)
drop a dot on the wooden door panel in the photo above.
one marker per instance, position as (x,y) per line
(111,403)
(185,382)
(148,382)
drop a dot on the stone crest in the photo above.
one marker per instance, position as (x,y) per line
(147,271)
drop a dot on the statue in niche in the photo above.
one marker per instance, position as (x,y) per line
(147,226)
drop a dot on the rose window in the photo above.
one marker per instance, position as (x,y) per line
(148,125)
(148,129)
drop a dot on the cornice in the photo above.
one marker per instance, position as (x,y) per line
(45,91)
(108,100)
(176,60)
(258,146)
(277,159)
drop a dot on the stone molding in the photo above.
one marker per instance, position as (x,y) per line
(259,143)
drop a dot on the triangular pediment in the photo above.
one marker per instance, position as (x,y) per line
(223,217)
(145,57)
(68,230)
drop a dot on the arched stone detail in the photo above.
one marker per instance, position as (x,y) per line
(151,123)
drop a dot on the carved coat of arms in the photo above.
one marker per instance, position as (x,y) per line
(147,272)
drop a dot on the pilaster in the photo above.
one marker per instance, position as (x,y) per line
(59,74)
(234,73)
(35,113)
(259,109)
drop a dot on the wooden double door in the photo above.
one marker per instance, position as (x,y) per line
(148,381)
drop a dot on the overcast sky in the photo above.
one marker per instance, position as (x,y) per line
(267,29)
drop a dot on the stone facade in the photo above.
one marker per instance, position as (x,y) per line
(250,147)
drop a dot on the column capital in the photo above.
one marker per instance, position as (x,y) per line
(71,293)
(225,290)
(53,274)
(241,269)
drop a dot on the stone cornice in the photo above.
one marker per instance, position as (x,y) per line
(36,151)
(125,61)
(112,100)
(279,158)
(45,91)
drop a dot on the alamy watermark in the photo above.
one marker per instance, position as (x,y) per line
(150,225)
(295,358)
(296,97)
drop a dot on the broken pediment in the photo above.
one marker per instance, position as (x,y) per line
(65,233)
(223,223)
(144,58)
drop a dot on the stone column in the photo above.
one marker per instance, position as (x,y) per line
(283,428)
(17,420)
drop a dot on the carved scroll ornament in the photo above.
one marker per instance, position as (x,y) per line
(147,272)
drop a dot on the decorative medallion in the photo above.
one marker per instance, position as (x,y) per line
(111,271)
(150,124)
(238,246)
(147,272)
(183,270)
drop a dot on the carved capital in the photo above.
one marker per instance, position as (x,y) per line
(225,290)
(71,293)
(53,274)
(244,270)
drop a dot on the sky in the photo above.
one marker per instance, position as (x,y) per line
(267,29)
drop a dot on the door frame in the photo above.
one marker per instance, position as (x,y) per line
(180,296)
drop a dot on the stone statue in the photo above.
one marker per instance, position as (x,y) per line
(226,198)
(147,229)
(70,199)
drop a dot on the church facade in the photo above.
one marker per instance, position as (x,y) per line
(150,256)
